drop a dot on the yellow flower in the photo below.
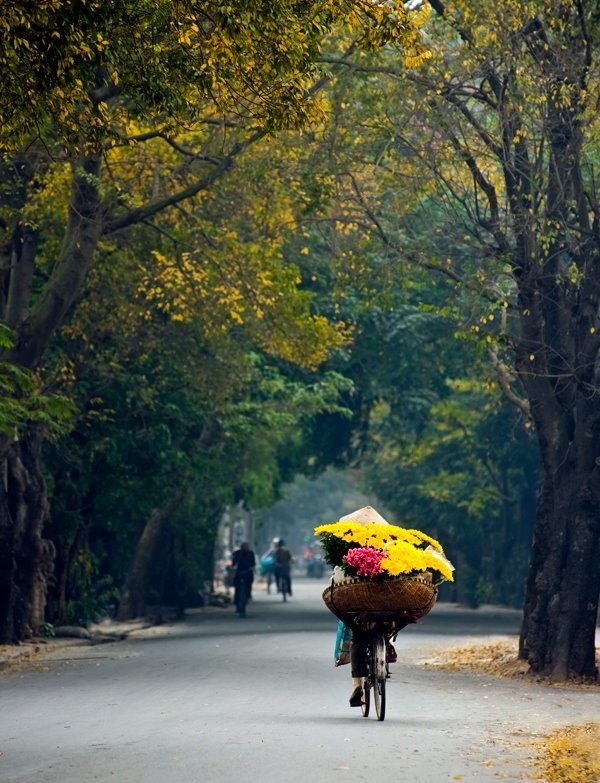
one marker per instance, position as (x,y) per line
(403,558)
(408,550)
(375,534)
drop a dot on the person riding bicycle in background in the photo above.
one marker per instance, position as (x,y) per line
(244,562)
(268,568)
(283,567)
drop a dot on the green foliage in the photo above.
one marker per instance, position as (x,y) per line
(46,631)
(280,315)
(23,404)
(63,64)
(166,403)
(458,464)
(335,548)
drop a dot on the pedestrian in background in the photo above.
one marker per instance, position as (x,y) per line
(244,563)
(283,566)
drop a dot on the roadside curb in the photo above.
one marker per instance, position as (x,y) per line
(71,637)
(105,632)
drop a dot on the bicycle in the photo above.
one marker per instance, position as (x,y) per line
(376,642)
(375,620)
(284,582)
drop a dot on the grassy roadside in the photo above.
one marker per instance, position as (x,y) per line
(569,755)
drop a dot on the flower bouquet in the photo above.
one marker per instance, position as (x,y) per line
(381,571)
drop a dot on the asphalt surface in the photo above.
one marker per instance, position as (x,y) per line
(222,698)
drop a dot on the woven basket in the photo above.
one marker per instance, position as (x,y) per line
(406,598)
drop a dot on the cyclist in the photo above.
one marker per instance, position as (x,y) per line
(244,562)
(268,567)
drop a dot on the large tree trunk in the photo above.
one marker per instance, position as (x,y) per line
(559,625)
(556,265)
(134,596)
(26,557)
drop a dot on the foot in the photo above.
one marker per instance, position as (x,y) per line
(357,697)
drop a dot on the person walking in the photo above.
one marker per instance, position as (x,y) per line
(244,562)
(283,568)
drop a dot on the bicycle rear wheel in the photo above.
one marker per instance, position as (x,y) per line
(379,699)
(379,675)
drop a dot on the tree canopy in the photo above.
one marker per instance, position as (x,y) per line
(119,124)
(497,133)
(242,254)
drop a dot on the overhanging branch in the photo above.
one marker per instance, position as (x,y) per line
(505,379)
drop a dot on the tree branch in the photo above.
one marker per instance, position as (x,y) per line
(79,245)
(505,379)
(142,214)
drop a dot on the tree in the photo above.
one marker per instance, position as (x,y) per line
(179,361)
(430,432)
(88,72)
(500,126)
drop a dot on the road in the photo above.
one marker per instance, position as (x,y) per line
(221,698)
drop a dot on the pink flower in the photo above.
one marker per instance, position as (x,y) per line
(365,560)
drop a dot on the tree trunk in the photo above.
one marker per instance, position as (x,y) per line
(557,354)
(26,557)
(559,626)
(134,596)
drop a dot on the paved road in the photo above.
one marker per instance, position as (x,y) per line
(221,698)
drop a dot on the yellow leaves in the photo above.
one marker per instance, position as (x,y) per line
(571,754)
(413,61)
(48,202)
(419,17)
(242,285)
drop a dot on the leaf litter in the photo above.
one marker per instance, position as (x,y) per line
(569,755)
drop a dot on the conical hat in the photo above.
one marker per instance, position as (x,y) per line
(364,515)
